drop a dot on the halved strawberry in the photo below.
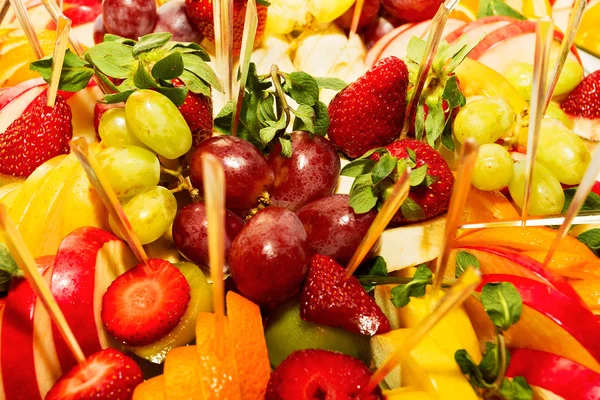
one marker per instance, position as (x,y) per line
(583,105)
(38,135)
(107,374)
(145,303)
(197,110)
(329,298)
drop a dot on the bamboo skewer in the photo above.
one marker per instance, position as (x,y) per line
(63,28)
(4,7)
(21,12)
(358,7)
(223,22)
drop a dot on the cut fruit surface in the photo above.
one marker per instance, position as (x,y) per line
(589,291)
(483,206)
(152,389)
(181,376)
(569,265)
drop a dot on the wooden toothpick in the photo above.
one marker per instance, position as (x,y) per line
(223,22)
(4,7)
(55,11)
(21,12)
(358,7)
(63,28)
(580,219)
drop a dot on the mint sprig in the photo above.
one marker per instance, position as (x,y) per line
(8,268)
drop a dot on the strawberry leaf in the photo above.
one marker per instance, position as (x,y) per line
(488,8)
(176,94)
(195,84)
(169,67)
(113,59)
(412,155)
(331,83)
(142,78)
(286,147)
(458,52)
(109,37)
(222,121)
(187,48)
(151,41)
(417,175)
(420,122)
(262,3)
(358,167)
(301,87)
(197,66)
(411,210)
(362,196)
(106,81)
(416,49)
(452,94)
(266,109)
(117,97)
(75,75)
(383,168)
(434,123)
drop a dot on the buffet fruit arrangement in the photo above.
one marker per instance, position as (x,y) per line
(324,136)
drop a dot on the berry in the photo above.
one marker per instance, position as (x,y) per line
(172,17)
(107,374)
(38,135)
(369,113)
(129,18)
(197,110)
(412,10)
(584,100)
(145,303)
(329,298)
(320,374)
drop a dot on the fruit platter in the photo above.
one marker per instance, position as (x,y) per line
(299,199)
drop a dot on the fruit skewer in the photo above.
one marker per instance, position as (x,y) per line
(55,12)
(223,23)
(4,7)
(63,28)
(21,12)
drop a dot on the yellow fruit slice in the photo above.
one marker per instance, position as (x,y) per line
(406,393)
(18,59)
(588,35)
(8,189)
(181,378)
(465,10)
(152,389)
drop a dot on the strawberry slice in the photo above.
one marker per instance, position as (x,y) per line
(107,374)
(583,105)
(320,374)
(38,135)
(145,303)
(329,298)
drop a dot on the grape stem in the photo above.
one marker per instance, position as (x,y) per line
(184,183)
(279,91)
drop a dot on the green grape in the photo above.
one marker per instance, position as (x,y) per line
(547,196)
(520,75)
(570,76)
(157,122)
(493,167)
(563,152)
(485,120)
(554,111)
(113,129)
(150,213)
(129,169)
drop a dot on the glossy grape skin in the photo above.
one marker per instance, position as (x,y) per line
(269,258)
(554,111)
(172,17)
(310,173)
(485,120)
(157,123)
(332,227)
(412,10)
(99,29)
(547,196)
(247,174)
(286,332)
(190,230)
(520,75)
(130,169)
(150,213)
(129,18)
(113,129)
(493,167)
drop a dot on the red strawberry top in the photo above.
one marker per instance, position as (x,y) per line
(584,100)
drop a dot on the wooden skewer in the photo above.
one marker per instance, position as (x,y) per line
(98,180)
(21,12)
(25,260)
(544,37)
(358,7)
(214,196)
(585,186)
(456,295)
(565,47)
(581,219)
(433,41)
(55,11)
(63,28)
(4,7)
(250,25)
(458,202)
(223,21)
(383,218)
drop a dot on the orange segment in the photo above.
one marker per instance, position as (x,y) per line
(181,374)
(522,239)
(251,355)
(570,265)
(589,290)
(152,389)
(219,377)
(487,206)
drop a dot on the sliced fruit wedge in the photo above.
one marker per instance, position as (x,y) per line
(589,291)
(152,389)
(182,379)
(570,265)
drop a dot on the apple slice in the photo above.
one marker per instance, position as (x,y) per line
(478,29)
(559,375)
(17,105)
(88,260)
(374,52)
(17,359)
(9,94)
(551,321)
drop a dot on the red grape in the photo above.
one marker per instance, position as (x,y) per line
(129,18)
(412,10)
(171,17)
(247,174)
(332,227)
(190,232)
(99,29)
(368,14)
(269,258)
(310,173)
(376,30)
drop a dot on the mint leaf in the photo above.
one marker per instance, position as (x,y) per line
(503,304)
(383,168)
(112,58)
(305,118)
(109,37)
(417,175)
(331,83)
(151,41)
(490,363)
(268,133)
(497,7)
(8,268)
(516,389)
(176,94)
(377,267)
(411,210)
(266,109)
(453,95)
(321,118)
(465,362)
(286,147)
(302,87)
(358,167)
(195,84)
(142,79)
(362,197)
(117,97)
(464,259)
(401,294)
(591,238)
(75,74)
(591,203)
(169,67)
(196,65)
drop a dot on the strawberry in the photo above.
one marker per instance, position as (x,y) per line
(145,303)
(370,112)
(107,374)
(583,105)
(197,110)
(38,135)
(201,14)
(329,298)
(320,374)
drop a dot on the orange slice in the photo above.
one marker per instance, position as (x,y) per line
(251,355)
(181,378)
(152,389)
(487,206)
(570,265)
(589,290)
(219,376)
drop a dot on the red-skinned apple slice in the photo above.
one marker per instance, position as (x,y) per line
(15,108)
(88,260)
(499,260)
(375,52)
(550,321)
(13,92)
(559,375)
(478,29)
(17,359)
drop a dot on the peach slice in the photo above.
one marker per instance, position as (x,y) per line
(589,290)
(570,265)
(488,206)
(152,389)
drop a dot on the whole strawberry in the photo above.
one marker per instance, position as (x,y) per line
(369,113)
(329,298)
(197,110)
(431,180)
(201,14)
(38,135)
(583,105)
